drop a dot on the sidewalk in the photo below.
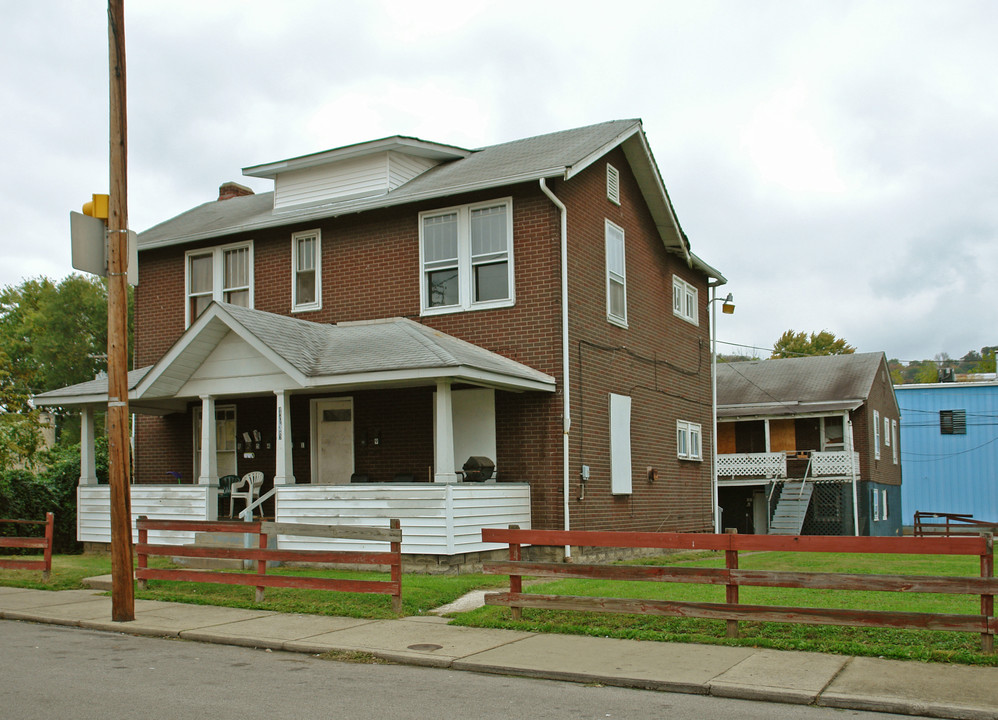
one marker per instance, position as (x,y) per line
(913,688)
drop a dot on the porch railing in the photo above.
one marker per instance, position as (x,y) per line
(768,465)
(774,464)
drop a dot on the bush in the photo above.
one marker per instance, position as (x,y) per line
(28,496)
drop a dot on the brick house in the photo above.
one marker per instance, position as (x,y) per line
(809,446)
(396,307)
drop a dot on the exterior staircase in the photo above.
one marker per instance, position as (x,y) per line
(788,519)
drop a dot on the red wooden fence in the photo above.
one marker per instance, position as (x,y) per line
(732,578)
(262,554)
(42,543)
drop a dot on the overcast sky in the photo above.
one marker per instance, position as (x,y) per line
(837,161)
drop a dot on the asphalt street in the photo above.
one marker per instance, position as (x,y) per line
(50,671)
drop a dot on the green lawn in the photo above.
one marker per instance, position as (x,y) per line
(900,644)
(420,593)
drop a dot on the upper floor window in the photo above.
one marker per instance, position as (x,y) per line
(223,273)
(685,300)
(688,444)
(616,275)
(306,288)
(876,434)
(613,184)
(952,422)
(466,255)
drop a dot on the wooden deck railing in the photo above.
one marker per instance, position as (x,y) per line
(932,524)
(986,586)
(43,543)
(262,554)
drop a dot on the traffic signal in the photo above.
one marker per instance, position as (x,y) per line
(96,208)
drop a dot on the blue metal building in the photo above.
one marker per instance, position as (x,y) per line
(949,448)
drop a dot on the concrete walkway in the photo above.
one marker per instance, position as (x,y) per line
(913,688)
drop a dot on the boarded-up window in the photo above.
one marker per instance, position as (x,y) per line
(620,444)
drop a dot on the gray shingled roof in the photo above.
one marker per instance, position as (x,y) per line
(796,385)
(493,166)
(395,350)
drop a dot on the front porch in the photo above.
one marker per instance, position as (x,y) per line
(437,519)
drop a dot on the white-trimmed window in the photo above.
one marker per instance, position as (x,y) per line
(223,273)
(894,441)
(466,255)
(612,184)
(685,300)
(620,444)
(876,434)
(306,287)
(616,275)
(876,504)
(689,445)
(887,431)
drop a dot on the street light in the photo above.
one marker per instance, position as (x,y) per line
(728,308)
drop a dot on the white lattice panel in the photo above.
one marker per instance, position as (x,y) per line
(752,465)
(833,463)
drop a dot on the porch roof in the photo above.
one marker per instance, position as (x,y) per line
(264,352)
(784,409)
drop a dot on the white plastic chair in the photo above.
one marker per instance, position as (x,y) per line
(248,489)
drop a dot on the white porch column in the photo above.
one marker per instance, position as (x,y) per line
(209,456)
(284,467)
(443,452)
(88,465)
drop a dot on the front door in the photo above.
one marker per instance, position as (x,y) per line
(333,432)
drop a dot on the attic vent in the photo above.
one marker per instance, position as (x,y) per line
(952,422)
(613,184)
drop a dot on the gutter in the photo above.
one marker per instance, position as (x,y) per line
(567,414)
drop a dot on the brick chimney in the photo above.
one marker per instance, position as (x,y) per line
(229,190)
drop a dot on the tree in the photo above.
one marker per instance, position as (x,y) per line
(800,344)
(51,335)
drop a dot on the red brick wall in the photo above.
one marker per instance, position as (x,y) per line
(371,270)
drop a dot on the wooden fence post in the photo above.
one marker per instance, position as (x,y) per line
(730,590)
(141,557)
(49,536)
(396,524)
(515,581)
(261,565)
(988,601)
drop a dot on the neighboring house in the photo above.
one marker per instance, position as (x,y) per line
(396,307)
(809,446)
(950,432)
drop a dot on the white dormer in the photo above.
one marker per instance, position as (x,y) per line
(355,171)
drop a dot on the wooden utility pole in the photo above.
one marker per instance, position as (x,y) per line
(122,587)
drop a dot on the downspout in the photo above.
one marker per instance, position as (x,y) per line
(567,415)
(852,467)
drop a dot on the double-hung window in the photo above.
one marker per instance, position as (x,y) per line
(466,254)
(306,288)
(876,434)
(222,273)
(688,440)
(685,300)
(616,275)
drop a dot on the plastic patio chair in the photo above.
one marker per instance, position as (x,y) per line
(247,489)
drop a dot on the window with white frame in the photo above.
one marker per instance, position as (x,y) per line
(894,441)
(613,184)
(620,444)
(306,288)
(684,300)
(616,276)
(876,504)
(688,440)
(876,434)
(222,273)
(887,431)
(466,254)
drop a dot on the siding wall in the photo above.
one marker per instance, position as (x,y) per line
(159,502)
(949,473)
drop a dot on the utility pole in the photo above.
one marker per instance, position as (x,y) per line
(122,584)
